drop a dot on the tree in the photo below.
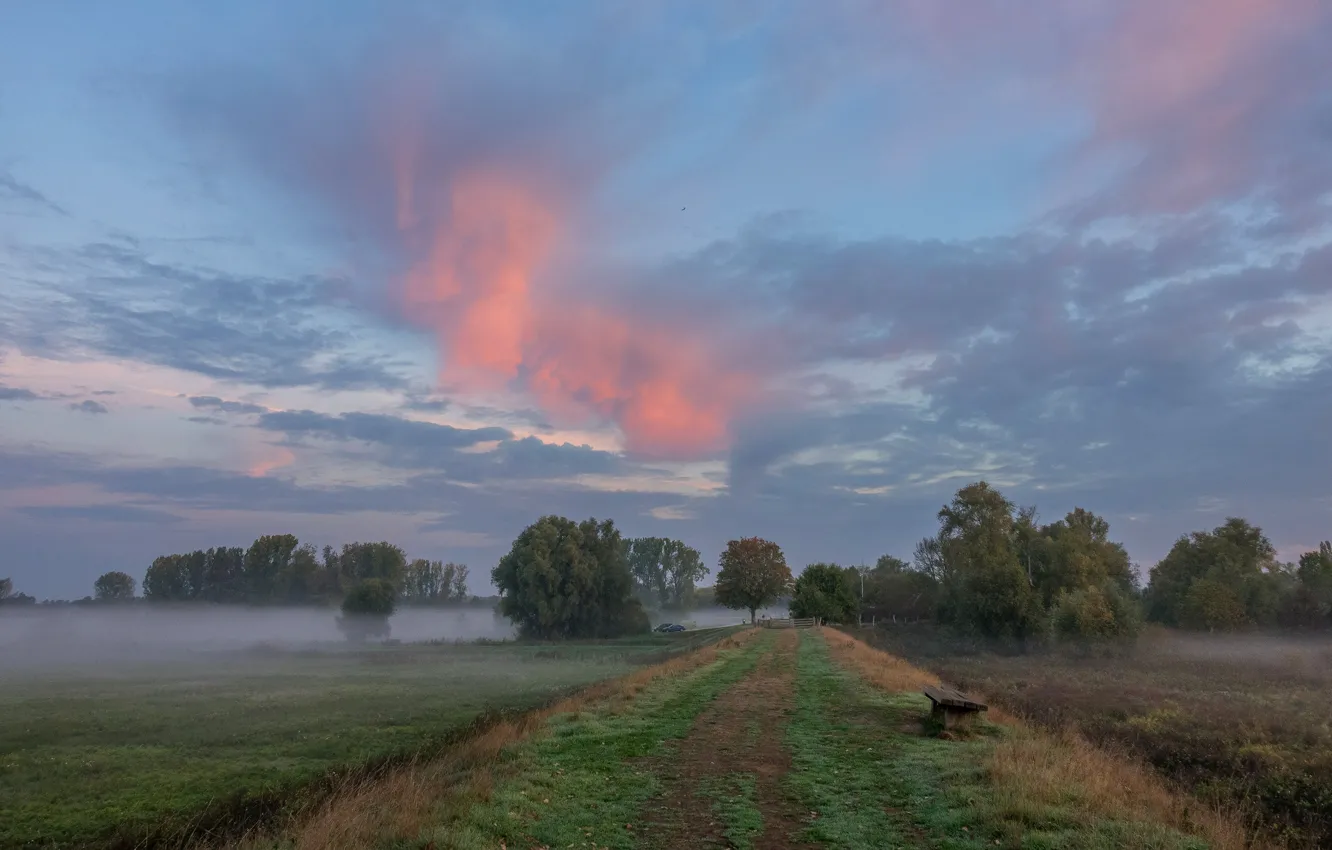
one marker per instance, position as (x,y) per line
(565,579)
(1091,615)
(664,570)
(898,590)
(8,596)
(985,587)
(366,610)
(753,574)
(1236,556)
(434,582)
(456,581)
(168,579)
(223,575)
(422,581)
(360,561)
(113,586)
(1210,605)
(267,561)
(827,592)
(1073,554)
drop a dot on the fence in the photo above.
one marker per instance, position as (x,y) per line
(789,623)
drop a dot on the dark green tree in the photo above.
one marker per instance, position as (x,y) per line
(1244,587)
(828,592)
(564,579)
(366,609)
(985,588)
(113,586)
(896,590)
(168,579)
(752,574)
(1308,603)
(268,561)
(223,575)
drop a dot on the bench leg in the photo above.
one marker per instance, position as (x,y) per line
(950,718)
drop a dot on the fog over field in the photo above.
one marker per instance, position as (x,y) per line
(83,639)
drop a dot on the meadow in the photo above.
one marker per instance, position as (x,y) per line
(769,739)
(130,755)
(1241,721)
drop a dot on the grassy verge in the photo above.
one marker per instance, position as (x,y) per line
(1241,721)
(158,752)
(1005,785)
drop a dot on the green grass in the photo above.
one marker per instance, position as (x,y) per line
(586,782)
(863,764)
(99,757)
(733,802)
(863,775)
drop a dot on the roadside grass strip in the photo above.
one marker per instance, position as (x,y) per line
(866,766)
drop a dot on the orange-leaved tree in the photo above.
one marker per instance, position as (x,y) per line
(753,574)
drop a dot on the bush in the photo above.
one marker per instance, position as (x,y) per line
(1095,615)
(1212,605)
(366,610)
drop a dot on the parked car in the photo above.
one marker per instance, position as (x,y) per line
(674,627)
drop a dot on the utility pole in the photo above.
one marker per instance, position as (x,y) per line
(861,616)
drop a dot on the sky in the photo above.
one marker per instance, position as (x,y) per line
(425,272)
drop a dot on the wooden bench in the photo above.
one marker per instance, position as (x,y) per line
(952,708)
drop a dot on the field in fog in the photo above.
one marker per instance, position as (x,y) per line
(95,637)
(140,730)
(1244,718)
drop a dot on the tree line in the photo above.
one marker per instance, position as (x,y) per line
(278,569)
(994,571)
(991,569)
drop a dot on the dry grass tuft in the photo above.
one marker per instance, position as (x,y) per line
(1032,767)
(400,803)
(1035,766)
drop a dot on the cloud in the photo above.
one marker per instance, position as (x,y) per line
(417,445)
(99,513)
(215,403)
(272,332)
(89,406)
(11,187)
(479,216)
(1181,105)
(17,394)
(379,428)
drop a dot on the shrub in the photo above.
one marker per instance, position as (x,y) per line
(1095,615)
(366,610)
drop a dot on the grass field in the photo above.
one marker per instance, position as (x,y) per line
(769,740)
(1240,720)
(106,757)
